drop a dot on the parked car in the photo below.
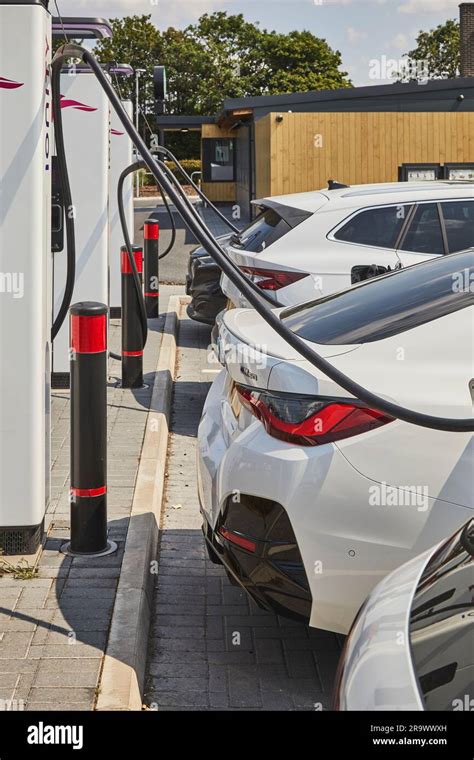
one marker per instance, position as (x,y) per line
(308,245)
(203,285)
(309,497)
(411,646)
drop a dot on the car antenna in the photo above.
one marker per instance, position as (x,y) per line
(335,185)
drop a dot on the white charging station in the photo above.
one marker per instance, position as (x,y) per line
(121,156)
(86,123)
(25,273)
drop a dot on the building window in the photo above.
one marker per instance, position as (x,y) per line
(218,156)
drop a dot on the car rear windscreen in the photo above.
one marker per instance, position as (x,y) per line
(262,232)
(382,307)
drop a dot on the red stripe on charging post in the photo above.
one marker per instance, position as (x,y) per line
(155,294)
(125,260)
(132,353)
(151,231)
(89,334)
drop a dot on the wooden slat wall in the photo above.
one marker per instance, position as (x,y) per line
(214,130)
(263,157)
(218,191)
(356,147)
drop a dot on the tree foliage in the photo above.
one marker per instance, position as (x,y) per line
(220,56)
(437,52)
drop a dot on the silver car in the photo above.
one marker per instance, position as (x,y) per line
(411,646)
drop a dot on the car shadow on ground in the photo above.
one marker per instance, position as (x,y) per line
(213,648)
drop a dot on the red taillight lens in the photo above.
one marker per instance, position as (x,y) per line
(238,540)
(272,279)
(308,421)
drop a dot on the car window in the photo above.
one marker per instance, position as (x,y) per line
(459,223)
(259,234)
(424,233)
(375,226)
(394,303)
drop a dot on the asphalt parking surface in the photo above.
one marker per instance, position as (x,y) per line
(173,268)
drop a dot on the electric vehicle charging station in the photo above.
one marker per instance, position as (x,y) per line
(86,122)
(121,156)
(25,297)
(86,117)
(25,320)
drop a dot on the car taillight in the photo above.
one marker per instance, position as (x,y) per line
(272,279)
(310,421)
(238,539)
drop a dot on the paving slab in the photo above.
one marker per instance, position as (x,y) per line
(193,663)
(54,627)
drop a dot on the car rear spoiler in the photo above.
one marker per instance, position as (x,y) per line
(291,215)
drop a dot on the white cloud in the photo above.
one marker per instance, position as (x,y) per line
(428,6)
(353,35)
(332,2)
(399,42)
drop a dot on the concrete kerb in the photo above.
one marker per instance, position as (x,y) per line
(123,673)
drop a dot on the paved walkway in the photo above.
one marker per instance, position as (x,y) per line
(193,662)
(53,629)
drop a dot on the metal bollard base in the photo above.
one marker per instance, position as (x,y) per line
(142,387)
(111,548)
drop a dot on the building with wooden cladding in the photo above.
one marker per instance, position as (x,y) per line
(273,145)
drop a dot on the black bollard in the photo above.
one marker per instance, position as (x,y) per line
(88,368)
(151,240)
(132,333)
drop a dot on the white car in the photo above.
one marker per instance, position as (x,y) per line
(412,644)
(308,245)
(309,497)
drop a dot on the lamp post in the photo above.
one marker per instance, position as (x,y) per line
(137,117)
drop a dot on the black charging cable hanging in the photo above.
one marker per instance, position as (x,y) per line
(171,243)
(67,200)
(203,196)
(192,210)
(128,244)
(218,254)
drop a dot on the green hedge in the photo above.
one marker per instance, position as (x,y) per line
(190,165)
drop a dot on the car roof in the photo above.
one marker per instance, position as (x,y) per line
(380,193)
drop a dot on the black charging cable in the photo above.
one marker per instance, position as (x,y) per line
(462,425)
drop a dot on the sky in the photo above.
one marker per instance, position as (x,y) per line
(370,34)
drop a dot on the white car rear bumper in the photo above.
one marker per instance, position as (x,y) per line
(347,545)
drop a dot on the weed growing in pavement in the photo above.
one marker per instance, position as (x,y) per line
(22,571)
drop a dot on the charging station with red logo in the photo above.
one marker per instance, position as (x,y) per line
(25,273)
(86,118)
(121,156)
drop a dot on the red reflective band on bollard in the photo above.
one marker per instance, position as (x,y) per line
(151,231)
(89,334)
(125,261)
(132,353)
(87,492)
